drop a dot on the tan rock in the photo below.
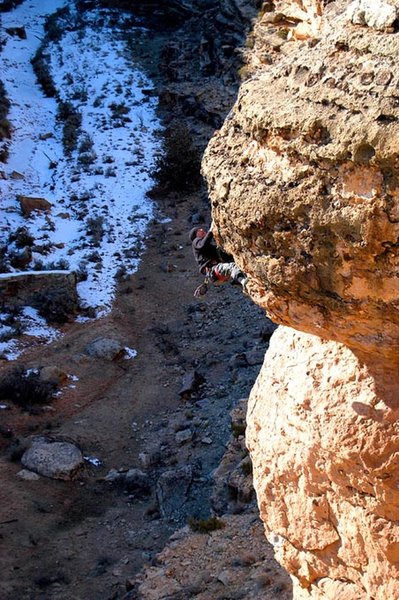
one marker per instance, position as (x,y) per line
(54,375)
(304,187)
(31,203)
(233,562)
(325,448)
(17,175)
(303,178)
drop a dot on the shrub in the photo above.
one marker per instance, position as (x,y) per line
(95,228)
(4,153)
(178,168)
(6,333)
(5,125)
(57,265)
(40,64)
(86,144)
(205,525)
(72,121)
(110,172)
(87,158)
(25,388)
(53,26)
(238,429)
(5,129)
(246,466)
(94,257)
(80,94)
(55,305)
(4,266)
(22,238)
(7,5)
(119,110)
(98,101)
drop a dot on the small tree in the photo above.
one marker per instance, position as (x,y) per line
(178,168)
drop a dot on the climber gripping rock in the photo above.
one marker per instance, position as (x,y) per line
(213,262)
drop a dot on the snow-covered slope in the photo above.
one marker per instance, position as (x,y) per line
(99,211)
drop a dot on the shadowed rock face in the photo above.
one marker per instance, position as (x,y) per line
(303,178)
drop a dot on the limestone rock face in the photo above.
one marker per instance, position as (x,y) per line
(324,444)
(303,179)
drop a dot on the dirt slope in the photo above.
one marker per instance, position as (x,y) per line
(82,539)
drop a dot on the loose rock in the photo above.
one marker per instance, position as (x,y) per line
(105,348)
(57,460)
(172,489)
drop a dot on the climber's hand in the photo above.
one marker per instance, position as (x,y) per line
(201,290)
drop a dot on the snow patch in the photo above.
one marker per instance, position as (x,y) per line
(100,211)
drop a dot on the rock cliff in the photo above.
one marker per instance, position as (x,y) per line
(303,178)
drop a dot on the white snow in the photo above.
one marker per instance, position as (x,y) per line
(35,325)
(100,211)
(96,462)
(34,273)
(129,353)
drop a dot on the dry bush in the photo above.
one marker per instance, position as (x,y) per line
(25,388)
(40,64)
(72,120)
(205,525)
(7,5)
(55,306)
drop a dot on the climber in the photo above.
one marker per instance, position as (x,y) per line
(213,262)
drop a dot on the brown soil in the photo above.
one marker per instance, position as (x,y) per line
(83,539)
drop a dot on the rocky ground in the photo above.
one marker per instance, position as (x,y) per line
(99,535)
(86,538)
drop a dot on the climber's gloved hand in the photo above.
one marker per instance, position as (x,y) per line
(201,290)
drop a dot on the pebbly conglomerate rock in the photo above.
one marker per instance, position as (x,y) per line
(303,178)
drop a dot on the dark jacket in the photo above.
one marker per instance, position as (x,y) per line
(207,254)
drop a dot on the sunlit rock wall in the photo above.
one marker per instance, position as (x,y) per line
(303,179)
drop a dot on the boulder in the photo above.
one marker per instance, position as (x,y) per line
(21,289)
(172,491)
(255,356)
(303,179)
(190,384)
(54,459)
(184,436)
(53,374)
(106,349)
(30,203)
(323,433)
(16,175)
(137,482)
(27,475)
(373,13)
(114,477)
